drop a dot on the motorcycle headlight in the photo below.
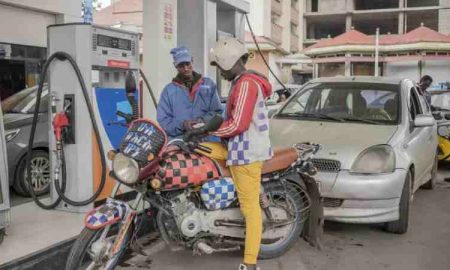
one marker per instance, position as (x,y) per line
(126,169)
(11,134)
(375,159)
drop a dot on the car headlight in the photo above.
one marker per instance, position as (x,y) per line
(11,134)
(126,169)
(375,159)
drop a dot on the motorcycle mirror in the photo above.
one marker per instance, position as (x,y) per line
(130,83)
(214,124)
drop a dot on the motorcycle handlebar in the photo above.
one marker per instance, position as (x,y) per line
(128,117)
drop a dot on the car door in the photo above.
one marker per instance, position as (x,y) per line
(431,143)
(417,141)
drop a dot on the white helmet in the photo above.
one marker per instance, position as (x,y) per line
(227,52)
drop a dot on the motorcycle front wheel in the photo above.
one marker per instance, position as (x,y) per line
(294,201)
(91,248)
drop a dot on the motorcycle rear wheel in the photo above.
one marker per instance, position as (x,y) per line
(295,199)
(80,256)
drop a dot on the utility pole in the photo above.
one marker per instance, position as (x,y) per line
(377,41)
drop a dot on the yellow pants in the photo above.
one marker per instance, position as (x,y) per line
(247,179)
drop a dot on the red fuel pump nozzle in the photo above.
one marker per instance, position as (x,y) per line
(60,122)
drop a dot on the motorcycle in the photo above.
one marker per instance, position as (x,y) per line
(195,199)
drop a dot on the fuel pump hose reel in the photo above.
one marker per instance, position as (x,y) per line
(60,187)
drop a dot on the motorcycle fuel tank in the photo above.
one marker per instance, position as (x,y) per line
(182,170)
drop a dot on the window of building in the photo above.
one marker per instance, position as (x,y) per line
(429,18)
(423,3)
(331,69)
(276,19)
(387,23)
(314,5)
(324,28)
(376,4)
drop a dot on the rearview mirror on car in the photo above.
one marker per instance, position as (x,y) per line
(423,120)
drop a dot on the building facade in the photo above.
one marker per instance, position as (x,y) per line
(23,38)
(330,18)
(280,39)
(421,51)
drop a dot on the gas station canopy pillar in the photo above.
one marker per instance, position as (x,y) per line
(197,24)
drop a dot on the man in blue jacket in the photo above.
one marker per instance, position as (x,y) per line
(189,99)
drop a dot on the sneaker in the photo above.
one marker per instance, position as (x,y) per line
(244,267)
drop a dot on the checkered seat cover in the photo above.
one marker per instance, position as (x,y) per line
(182,170)
(218,194)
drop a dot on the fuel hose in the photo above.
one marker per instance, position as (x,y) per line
(60,187)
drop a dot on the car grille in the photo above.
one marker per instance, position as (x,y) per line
(327,165)
(332,202)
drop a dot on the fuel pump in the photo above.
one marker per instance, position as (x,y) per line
(84,103)
(4,183)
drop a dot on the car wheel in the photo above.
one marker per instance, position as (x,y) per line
(40,172)
(400,226)
(432,182)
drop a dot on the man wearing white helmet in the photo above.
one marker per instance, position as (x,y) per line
(246,131)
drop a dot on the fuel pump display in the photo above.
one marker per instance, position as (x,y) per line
(80,134)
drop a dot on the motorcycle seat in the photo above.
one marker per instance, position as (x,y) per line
(282,159)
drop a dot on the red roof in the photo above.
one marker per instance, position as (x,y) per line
(422,34)
(352,37)
(123,11)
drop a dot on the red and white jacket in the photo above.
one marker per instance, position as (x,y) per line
(247,123)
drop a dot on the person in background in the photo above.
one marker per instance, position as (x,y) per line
(245,131)
(189,99)
(425,83)
(283,96)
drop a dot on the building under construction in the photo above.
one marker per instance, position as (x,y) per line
(330,18)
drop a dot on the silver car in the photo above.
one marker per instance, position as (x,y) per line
(379,145)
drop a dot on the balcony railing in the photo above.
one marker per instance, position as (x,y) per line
(294,43)
(277,31)
(294,16)
(276,7)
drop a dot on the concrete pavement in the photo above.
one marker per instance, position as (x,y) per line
(346,246)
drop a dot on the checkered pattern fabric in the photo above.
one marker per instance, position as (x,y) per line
(253,144)
(111,212)
(182,170)
(218,194)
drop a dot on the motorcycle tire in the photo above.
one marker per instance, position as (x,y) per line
(291,194)
(76,259)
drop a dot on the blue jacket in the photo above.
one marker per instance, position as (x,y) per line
(175,105)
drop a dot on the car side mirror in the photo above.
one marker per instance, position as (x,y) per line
(444,131)
(423,120)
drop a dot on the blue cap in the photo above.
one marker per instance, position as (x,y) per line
(180,55)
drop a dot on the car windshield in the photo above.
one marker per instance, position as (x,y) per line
(28,103)
(441,100)
(346,102)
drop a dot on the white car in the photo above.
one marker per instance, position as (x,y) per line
(379,145)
